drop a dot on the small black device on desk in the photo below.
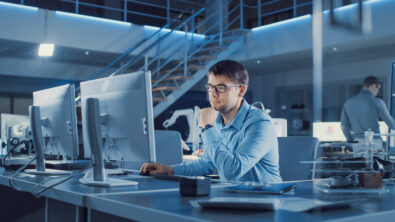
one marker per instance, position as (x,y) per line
(195,186)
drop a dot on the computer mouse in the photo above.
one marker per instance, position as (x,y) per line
(146,173)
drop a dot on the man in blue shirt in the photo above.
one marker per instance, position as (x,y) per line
(239,140)
(363,111)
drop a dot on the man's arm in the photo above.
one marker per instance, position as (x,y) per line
(385,115)
(345,124)
(258,139)
(200,167)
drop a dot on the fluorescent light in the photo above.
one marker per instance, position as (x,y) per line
(46,49)
(19,6)
(92,18)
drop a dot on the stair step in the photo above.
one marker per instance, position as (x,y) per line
(190,68)
(159,99)
(165,88)
(175,77)
(211,49)
(216,42)
(202,57)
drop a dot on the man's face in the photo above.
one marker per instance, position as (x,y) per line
(224,101)
(375,88)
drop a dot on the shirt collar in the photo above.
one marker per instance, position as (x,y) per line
(366,91)
(238,120)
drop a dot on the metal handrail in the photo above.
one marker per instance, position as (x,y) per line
(139,56)
(207,30)
(125,11)
(196,51)
(212,38)
(157,57)
(128,51)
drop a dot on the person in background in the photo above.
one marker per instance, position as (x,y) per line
(239,140)
(363,111)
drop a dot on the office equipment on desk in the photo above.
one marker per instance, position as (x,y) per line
(292,150)
(195,186)
(277,188)
(355,175)
(59,121)
(93,132)
(126,116)
(39,145)
(54,127)
(331,131)
(16,145)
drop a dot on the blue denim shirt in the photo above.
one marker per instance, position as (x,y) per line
(244,150)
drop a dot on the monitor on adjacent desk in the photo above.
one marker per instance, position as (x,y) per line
(126,112)
(331,131)
(59,123)
(54,127)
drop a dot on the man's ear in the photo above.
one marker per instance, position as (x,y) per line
(243,90)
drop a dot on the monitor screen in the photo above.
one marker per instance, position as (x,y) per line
(331,131)
(125,103)
(58,112)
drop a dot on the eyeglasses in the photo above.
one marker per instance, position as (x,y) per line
(220,88)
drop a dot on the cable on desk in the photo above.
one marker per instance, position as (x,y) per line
(9,152)
(38,193)
(11,178)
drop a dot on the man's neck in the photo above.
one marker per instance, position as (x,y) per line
(229,116)
(366,88)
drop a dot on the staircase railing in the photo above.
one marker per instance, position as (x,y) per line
(210,39)
(140,55)
(135,47)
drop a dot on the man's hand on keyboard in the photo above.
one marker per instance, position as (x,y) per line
(156,168)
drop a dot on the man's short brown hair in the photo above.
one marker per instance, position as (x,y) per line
(370,80)
(232,69)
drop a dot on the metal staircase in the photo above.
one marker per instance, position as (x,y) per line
(178,65)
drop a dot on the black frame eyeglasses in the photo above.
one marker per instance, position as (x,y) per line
(220,88)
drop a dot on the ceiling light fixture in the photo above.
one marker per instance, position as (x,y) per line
(46,49)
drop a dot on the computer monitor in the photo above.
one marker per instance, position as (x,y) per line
(127,118)
(39,146)
(331,131)
(94,140)
(53,127)
(59,121)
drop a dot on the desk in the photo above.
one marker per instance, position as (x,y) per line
(154,200)
(170,206)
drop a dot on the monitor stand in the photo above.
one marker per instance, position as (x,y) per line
(99,177)
(38,142)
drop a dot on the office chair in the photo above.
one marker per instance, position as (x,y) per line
(292,150)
